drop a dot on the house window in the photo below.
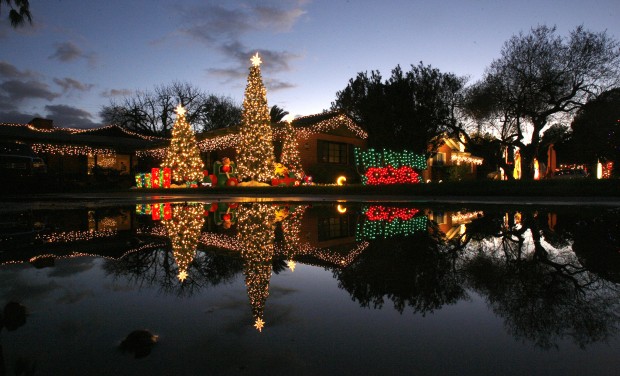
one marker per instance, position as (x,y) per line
(334,228)
(332,152)
(439,159)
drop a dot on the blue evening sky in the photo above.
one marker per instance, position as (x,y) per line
(79,54)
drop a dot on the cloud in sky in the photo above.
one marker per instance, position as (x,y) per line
(223,27)
(113,93)
(69,117)
(16,91)
(211,22)
(68,84)
(69,51)
(8,70)
(13,116)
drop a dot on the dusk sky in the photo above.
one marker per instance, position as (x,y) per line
(78,55)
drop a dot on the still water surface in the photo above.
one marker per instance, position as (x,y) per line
(306,289)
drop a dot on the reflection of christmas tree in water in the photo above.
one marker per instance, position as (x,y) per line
(256,234)
(184,230)
(291,232)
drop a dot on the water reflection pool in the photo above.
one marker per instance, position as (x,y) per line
(307,289)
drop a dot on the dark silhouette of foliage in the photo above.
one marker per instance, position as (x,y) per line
(596,129)
(541,75)
(406,111)
(19,12)
(152,112)
(277,114)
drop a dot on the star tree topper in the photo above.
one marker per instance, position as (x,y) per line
(259,324)
(180,110)
(256,61)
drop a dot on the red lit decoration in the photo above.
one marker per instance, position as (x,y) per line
(383,213)
(232,182)
(167,211)
(167,177)
(155,177)
(155,214)
(226,168)
(391,175)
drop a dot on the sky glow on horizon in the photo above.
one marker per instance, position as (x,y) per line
(79,55)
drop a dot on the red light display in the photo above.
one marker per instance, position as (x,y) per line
(391,175)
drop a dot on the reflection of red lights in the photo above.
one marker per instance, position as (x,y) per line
(391,175)
(383,213)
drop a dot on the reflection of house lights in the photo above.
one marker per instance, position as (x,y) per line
(465,217)
(341,209)
(74,236)
(291,265)
(259,324)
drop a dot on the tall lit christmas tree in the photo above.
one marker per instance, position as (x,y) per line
(290,150)
(183,155)
(255,156)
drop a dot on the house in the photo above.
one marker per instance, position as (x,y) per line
(451,162)
(77,153)
(326,143)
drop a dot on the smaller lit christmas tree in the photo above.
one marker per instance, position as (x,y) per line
(183,155)
(290,150)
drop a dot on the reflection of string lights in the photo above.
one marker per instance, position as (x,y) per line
(387,222)
(255,225)
(388,213)
(83,254)
(74,236)
(184,230)
(459,217)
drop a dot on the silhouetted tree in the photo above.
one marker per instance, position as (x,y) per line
(19,12)
(277,114)
(596,129)
(541,75)
(152,112)
(406,111)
